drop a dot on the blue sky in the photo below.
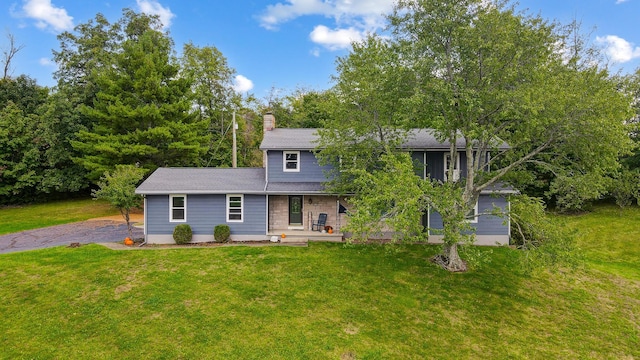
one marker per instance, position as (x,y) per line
(281,44)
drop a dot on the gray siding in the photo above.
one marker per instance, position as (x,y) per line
(204,212)
(310,171)
(487,224)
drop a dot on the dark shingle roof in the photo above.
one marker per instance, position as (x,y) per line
(289,139)
(204,181)
(295,188)
(306,139)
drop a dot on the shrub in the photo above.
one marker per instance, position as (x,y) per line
(221,233)
(182,234)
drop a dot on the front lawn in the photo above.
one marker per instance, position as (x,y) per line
(326,301)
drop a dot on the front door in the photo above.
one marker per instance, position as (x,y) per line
(295,210)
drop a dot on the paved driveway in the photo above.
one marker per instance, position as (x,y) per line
(84,232)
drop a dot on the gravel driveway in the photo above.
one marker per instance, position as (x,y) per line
(84,232)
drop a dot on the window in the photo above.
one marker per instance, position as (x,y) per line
(472,216)
(456,166)
(291,161)
(235,208)
(177,208)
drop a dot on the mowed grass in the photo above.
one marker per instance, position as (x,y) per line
(19,218)
(610,239)
(326,301)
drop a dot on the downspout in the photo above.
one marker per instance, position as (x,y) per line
(144,218)
(266,230)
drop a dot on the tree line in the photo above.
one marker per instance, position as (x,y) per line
(124,97)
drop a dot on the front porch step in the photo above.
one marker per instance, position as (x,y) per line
(294,240)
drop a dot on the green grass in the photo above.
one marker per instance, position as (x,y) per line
(326,301)
(610,238)
(19,218)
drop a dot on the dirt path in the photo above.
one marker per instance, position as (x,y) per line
(100,230)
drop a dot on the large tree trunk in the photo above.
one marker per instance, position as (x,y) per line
(449,259)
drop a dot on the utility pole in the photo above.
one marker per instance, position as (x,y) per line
(234,158)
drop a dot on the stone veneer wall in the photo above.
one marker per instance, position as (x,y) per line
(312,205)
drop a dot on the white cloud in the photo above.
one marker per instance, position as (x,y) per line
(242,84)
(46,62)
(353,18)
(341,10)
(621,1)
(47,15)
(153,7)
(335,39)
(618,49)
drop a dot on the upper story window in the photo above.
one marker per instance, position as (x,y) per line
(235,206)
(455,163)
(177,208)
(291,161)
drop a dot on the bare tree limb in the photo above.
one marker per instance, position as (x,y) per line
(9,54)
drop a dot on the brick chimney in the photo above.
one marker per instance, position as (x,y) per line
(269,122)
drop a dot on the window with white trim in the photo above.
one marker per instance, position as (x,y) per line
(235,208)
(177,208)
(291,161)
(456,166)
(472,216)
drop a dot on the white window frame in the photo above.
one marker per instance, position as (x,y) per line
(474,219)
(228,208)
(285,161)
(456,166)
(171,207)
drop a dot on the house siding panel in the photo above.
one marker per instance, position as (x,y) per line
(310,170)
(435,165)
(204,212)
(487,224)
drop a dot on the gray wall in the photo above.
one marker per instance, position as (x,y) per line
(487,224)
(204,212)
(310,171)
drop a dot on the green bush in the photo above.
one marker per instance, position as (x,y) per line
(221,233)
(182,234)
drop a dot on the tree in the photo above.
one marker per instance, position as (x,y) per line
(119,188)
(485,75)
(8,55)
(215,101)
(141,113)
(20,155)
(365,120)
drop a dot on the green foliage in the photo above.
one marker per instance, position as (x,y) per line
(182,234)
(625,187)
(546,243)
(575,193)
(119,188)
(221,233)
(139,109)
(389,199)
(20,155)
(35,156)
(481,76)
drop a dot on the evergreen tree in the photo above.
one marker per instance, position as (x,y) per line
(141,112)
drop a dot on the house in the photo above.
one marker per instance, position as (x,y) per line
(287,195)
